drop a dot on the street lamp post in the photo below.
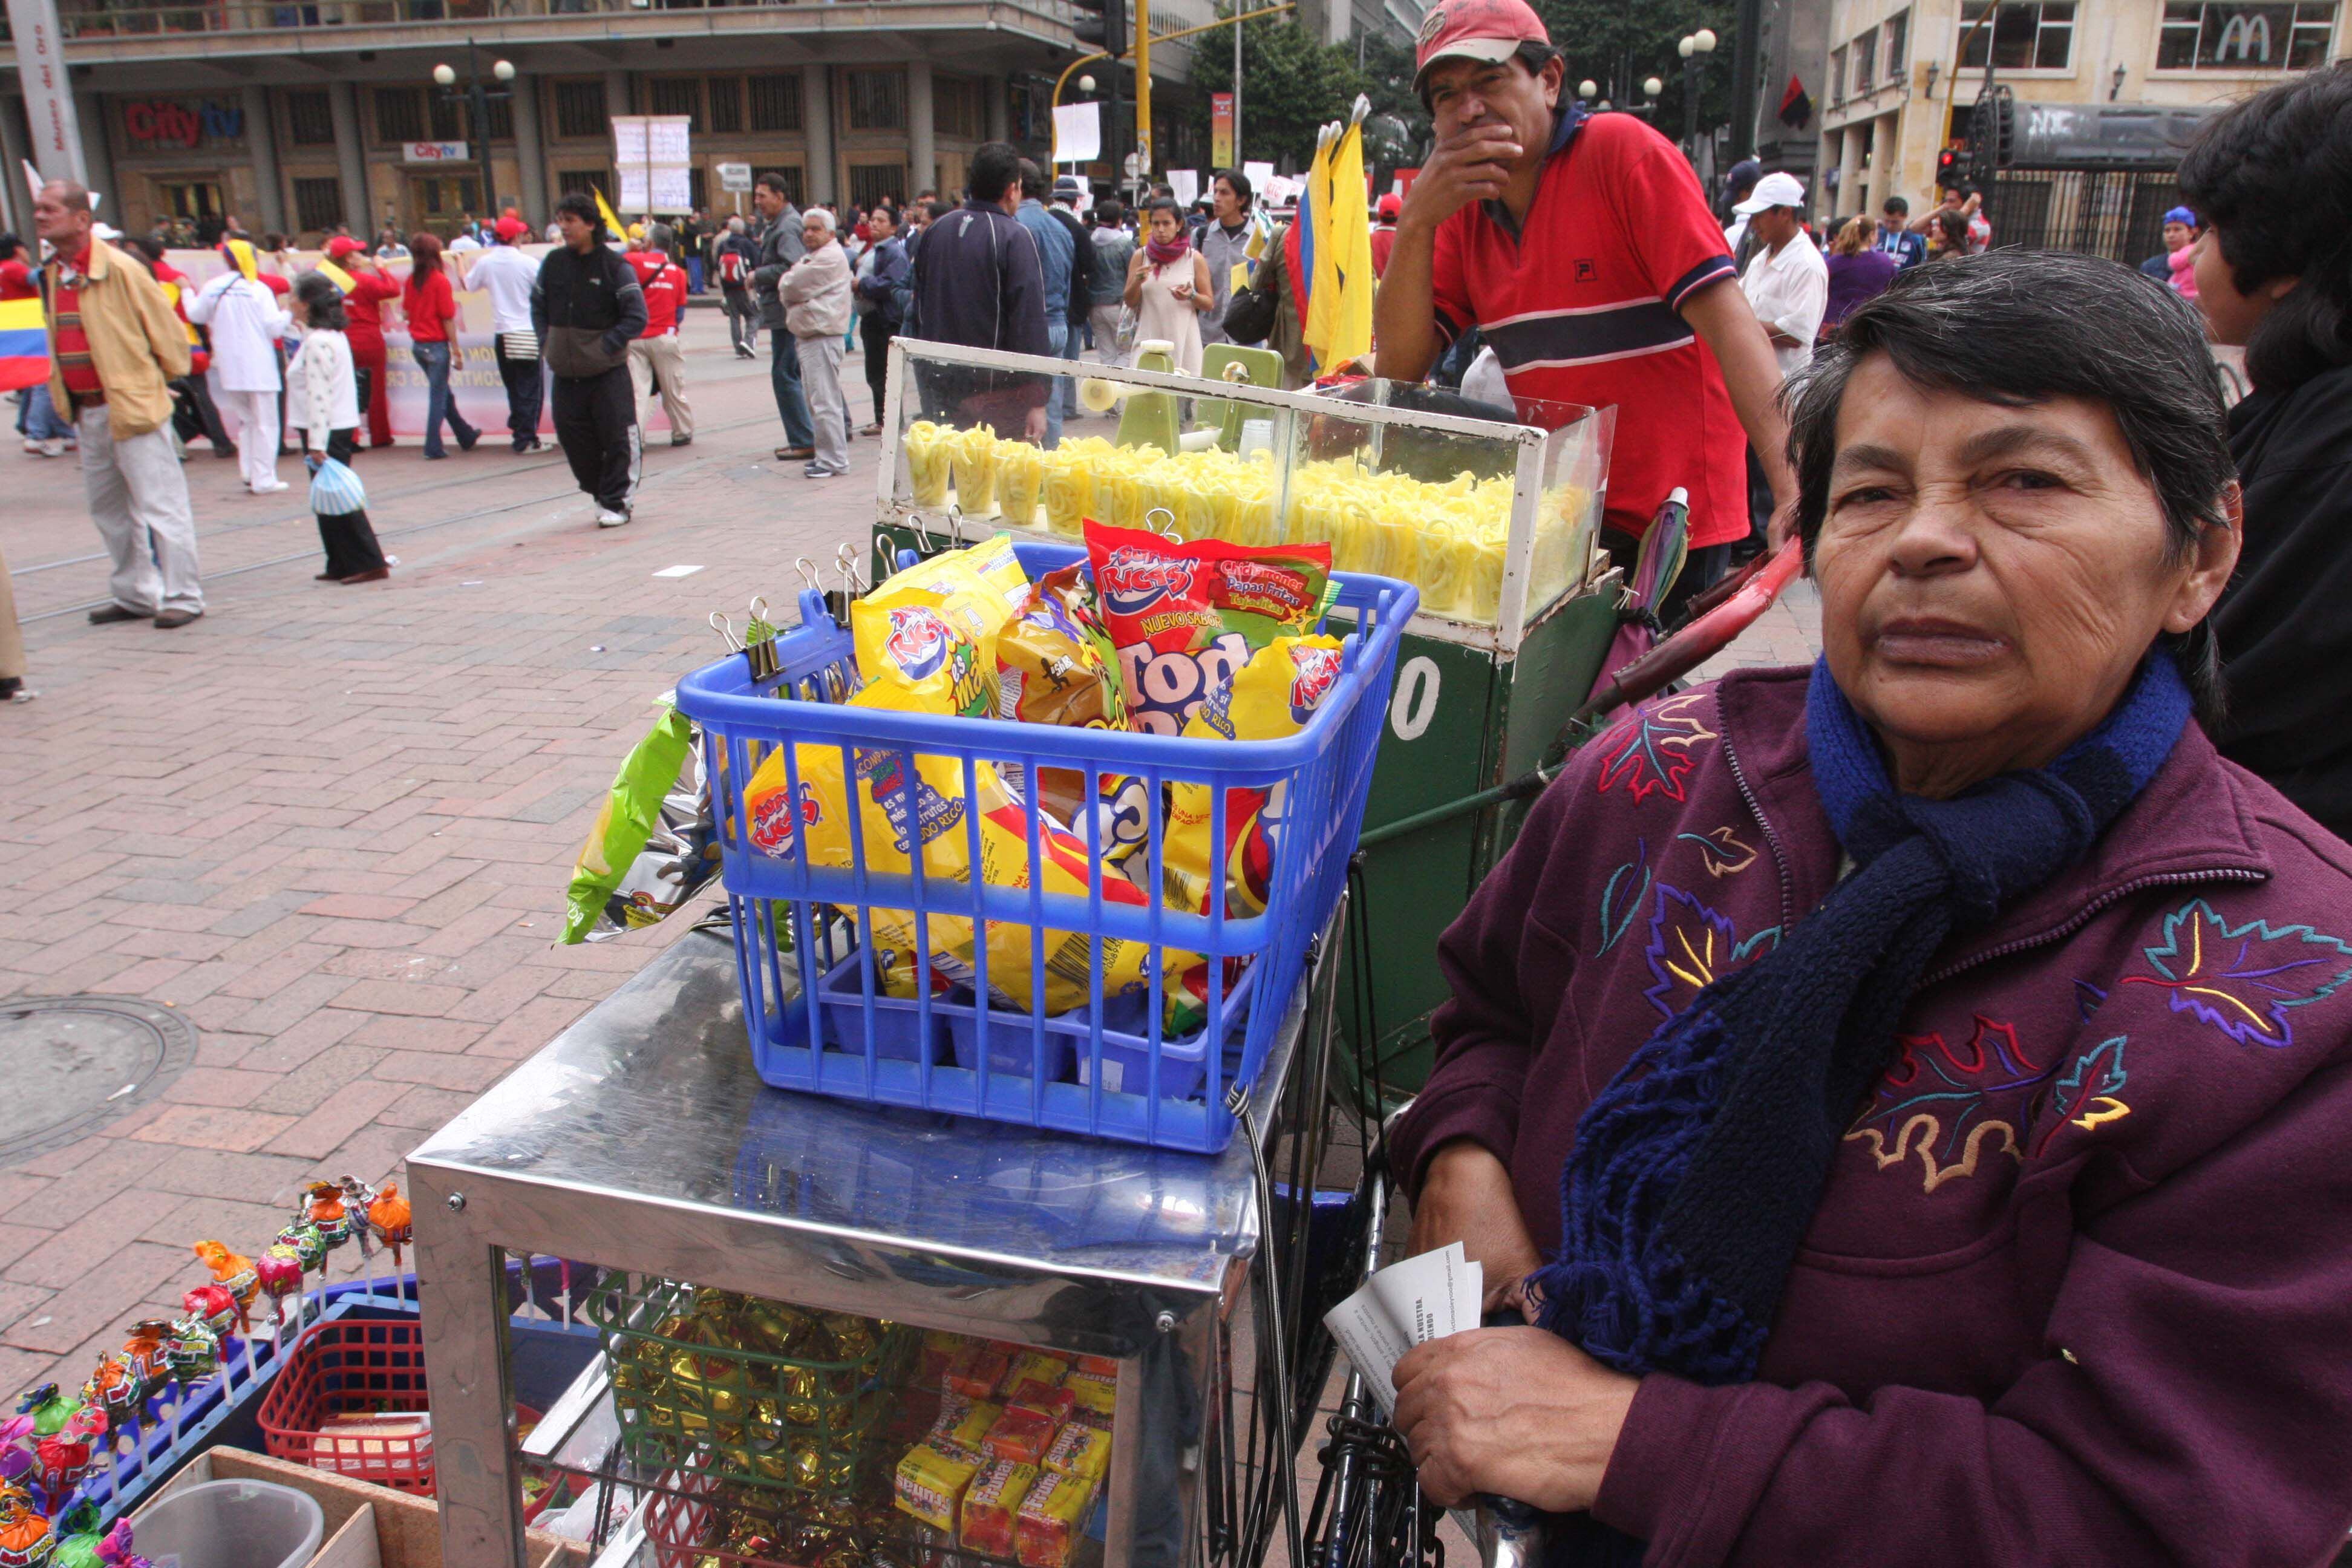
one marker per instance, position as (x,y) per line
(477,99)
(1693,49)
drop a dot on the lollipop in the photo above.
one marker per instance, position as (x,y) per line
(63,1458)
(25,1540)
(308,1244)
(389,1217)
(145,1355)
(282,1276)
(233,1273)
(357,1196)
(213,1306)
(111,1389)
(48,1407)
(114,1549)
(77,1538)
(327,1212)
(17,1441)
(193,1349)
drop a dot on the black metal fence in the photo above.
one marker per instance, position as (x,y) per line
(2114,212)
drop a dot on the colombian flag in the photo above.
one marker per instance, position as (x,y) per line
(24,344)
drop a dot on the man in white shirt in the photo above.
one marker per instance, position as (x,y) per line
(1786,282)
(508,275)
(246,324)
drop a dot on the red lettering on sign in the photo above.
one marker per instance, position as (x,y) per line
(161,121)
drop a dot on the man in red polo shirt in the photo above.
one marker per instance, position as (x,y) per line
(1582,247)
(656,360)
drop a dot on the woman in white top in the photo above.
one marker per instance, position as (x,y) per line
(1167,286)
(322,402)
(246,324)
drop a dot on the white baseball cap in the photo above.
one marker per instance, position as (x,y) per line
(1773,191)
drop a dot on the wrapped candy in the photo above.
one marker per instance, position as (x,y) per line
(326,1214)
(146,1356)
(114,1550)
(232,1272)
(112,1388)
(48,1408)
(280,1269)
(307,1242)
(357,1196)
(17,1441)
(213,1306)
(25,1538)
(389,1217)
(61,1460)
(1052,1518)
(990,1503)
(193,1349)
(77,1538)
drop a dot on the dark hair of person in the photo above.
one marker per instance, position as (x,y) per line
(993,168)
(1035,184)
(2272,177)
(1897,205)
(1163,205)
(1530,54)
(772,181)
(1955,230)
(582,205)
(150,246)
(9,245)
(2017,328)
(425,250)
(1240,182)
(1110,213)
(322,302)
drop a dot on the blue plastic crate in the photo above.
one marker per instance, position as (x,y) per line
(792,918)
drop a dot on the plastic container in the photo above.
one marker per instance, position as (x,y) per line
(232,1524)
(1322,773)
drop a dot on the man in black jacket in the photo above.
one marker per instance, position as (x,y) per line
(780,246)
(978,281)
(587,308)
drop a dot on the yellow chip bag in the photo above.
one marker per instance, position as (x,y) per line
(942,615)
(896,813)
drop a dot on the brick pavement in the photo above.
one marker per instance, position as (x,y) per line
(333,826)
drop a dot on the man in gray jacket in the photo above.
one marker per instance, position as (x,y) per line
(816,295)
(780,246)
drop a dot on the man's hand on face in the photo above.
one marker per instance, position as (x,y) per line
(1470,164)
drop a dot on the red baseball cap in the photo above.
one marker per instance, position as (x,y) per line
(1391,205)
(1489,30)
(342,245)
(511,229)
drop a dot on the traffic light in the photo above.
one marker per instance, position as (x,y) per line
(1949,173)
(1101,24)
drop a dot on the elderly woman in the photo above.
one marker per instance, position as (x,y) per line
(1910,1093)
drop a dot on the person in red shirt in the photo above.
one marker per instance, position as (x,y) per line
(1385,231)
(656,360)
(431,306)
(1582,250)
(370,290)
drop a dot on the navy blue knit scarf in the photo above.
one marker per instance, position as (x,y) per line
(1698,1168)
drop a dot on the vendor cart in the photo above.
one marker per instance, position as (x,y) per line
(641,1143)
(1502,653)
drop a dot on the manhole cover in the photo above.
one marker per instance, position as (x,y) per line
(76,1063)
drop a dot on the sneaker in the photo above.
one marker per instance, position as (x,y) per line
(681,440)
(33,443)
(271,488)
(106,615)
(53,448)
(172,620)
(819,471)
(533,444)
(607,518)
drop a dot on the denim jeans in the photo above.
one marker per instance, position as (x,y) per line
(1057,341)
(40,421)
(792,405)
(433,359)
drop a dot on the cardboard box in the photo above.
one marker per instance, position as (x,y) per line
(368,1526)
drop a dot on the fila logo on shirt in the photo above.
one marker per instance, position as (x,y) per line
(1585,271)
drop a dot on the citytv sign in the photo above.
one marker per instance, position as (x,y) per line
(166,123)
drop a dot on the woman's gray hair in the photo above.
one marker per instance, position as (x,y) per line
(2021,327)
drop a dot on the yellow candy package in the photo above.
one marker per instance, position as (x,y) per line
(896,813)
(942,615)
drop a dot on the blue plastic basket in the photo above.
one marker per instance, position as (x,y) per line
(946,1052)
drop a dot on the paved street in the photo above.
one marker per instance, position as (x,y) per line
(332,826)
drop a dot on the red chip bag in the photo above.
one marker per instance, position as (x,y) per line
(1183,618)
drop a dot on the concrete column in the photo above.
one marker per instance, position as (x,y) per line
(998,108)
(817,115)
(922,143)
(351,157)
(98,155)
(15,210)
(261,145)
(1849,169)
(530,152)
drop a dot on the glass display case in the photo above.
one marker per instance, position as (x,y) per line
(1496,524)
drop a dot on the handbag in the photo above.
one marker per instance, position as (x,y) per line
(335,490)
(1127,324)
(1249,315)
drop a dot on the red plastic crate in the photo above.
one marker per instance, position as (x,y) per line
(355,1366)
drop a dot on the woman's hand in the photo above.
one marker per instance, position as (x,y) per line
(1514,1412)
(1467,1196)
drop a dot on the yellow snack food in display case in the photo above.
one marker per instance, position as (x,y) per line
(1020,481)
(972,455)
(927,462)
(1069,490)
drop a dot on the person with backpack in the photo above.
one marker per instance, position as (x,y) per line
(737,254)
(882,272)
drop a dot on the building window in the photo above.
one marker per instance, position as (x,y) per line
(955,107)
(580,110)
(775,102)
(676,95)
(399,114)
(2225,37)
(869,183)
(1898,39)
(318,203)
(789,174)
(585,181)
(726,105)
(2023,34)
(309,119)
(1864,54)
(698,188)
(1837,75)
(878,100)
